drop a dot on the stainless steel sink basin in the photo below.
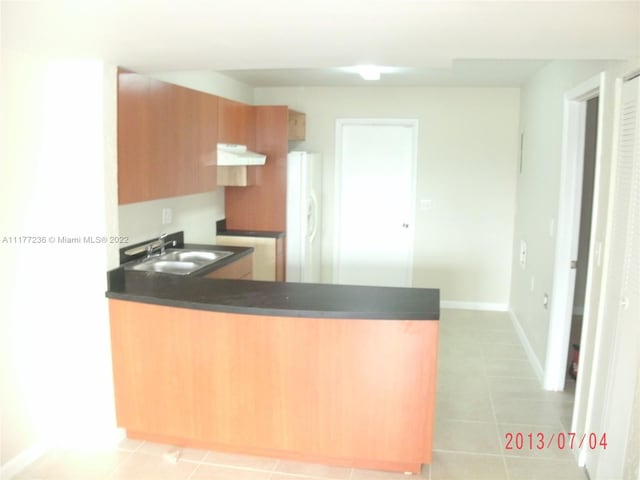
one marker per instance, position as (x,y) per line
(181,262)
(196,255)
(167,266)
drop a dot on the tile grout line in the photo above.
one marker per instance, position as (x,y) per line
(198,465)
(495,418)
(115,468)
(274,469)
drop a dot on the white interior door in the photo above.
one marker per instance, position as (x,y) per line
(375,170)
(612,394)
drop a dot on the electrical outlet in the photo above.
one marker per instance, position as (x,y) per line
(167,215)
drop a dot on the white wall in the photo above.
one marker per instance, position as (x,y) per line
(542,103)
(197,214)
(59,179)
(467,159)
(58,138)
(210,82)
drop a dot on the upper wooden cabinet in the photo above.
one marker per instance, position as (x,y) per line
(167,138)
(236,123)
(297,125)
(262,206)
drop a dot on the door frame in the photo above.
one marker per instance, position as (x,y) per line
(340,123)
(568,229)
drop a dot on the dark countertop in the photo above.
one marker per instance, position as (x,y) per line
(221,229)
(250,233)
(271,298)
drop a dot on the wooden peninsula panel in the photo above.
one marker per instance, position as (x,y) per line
(348,392)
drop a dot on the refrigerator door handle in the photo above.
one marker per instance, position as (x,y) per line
(312,217)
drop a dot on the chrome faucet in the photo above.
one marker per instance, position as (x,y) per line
(158,243)
(162,243)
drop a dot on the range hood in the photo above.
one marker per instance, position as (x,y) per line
(231,155)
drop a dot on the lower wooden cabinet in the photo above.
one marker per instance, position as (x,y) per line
(268,254)
(241,269)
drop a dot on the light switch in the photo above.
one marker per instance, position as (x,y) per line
(523,254)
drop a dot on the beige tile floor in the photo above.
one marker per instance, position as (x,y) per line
(486,390)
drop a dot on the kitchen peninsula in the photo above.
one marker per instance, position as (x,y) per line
(334,374)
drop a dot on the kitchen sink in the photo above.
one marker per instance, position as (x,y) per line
(196,255)
(181,262)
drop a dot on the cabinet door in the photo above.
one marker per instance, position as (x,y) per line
(136,139)
(264,254)
(206,179)
(167,138)
(196,127)
(237,123)
(263,207)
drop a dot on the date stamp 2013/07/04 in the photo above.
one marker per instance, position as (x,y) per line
(560,440)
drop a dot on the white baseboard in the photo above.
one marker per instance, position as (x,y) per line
(22,460)
(492,307)
(533,359)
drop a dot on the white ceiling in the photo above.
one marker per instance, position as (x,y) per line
(303,42)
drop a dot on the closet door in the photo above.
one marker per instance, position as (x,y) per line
(622,302)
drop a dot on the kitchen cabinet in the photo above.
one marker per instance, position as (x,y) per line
(263,207)
(167,138)
(241,269)
(297,125)
(268,254)
(237,123)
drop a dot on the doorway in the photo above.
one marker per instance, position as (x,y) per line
(584,240)
(568,238)
(375,200)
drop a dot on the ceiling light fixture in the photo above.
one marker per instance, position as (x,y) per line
(368,72)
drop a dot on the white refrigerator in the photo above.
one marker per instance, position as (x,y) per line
(304,217)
